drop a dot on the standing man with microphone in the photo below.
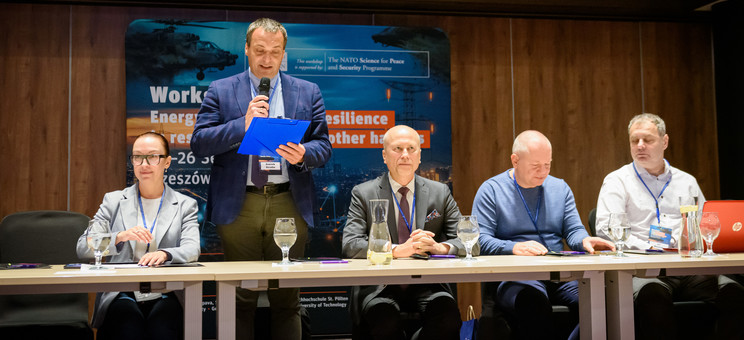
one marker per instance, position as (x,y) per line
(247,193)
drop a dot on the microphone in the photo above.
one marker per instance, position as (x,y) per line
(264,86)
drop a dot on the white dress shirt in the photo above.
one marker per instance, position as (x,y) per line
(623,191)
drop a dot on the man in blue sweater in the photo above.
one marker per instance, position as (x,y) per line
(525,211)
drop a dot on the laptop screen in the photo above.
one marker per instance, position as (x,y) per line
(731,215)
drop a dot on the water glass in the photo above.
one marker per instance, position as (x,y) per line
(710,227)
(619,231)
(98,237)
(468,232)
(285,235)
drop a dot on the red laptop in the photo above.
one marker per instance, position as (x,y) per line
(731,215)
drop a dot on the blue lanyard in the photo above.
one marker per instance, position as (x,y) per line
(537,209)
(413,210)
(658,213)
(142,211)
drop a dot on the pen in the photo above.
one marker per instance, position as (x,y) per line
(334,261)
(447,256)
(654,251)
(22,265)
(573,252)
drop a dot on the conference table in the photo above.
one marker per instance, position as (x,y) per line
(262,275)
(56,280)
(603,312)
(619,288)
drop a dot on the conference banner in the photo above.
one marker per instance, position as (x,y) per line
(371,78)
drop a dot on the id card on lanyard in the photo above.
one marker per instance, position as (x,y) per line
(658,236)
(144,219)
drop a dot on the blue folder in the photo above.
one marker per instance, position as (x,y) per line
(264,135)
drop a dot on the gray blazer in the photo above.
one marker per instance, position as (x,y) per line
(431,196)
(176,231)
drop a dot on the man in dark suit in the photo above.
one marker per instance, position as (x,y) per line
(248,193)
(433,230)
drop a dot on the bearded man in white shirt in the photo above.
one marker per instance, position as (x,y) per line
(648,191)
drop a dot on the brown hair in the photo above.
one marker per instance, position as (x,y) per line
(159,136)
(269,25)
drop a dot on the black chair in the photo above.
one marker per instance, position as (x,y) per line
(410,320)
(496,324)
(46,237)
(592,222)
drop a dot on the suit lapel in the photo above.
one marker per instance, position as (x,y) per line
(422,193)
(166,216)
(129,211)
(242,91)
(289,92)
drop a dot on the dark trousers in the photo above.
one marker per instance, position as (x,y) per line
(440,316)
(529,305)
(159,319)
(654,309)
(251,238)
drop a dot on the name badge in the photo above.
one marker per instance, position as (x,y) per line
(269,166)
(660,237)
(268,163)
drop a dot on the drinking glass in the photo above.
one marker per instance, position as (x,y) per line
(619,231)
(285,235)
(98,237)
(710,227)
(468,232)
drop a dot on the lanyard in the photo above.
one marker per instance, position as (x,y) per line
(142,211)
(537,209)
(413,210)
(658,214)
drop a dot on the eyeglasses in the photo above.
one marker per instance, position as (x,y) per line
(151,159)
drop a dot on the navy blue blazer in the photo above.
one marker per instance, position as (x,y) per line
(219,130)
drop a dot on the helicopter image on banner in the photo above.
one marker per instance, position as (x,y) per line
(163,53)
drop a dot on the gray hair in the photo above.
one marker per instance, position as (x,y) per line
(651,118)
(522,141)
(268,25)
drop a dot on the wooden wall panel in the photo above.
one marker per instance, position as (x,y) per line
(578,82)
(98,126)
(678,79)
(34,59)
(303,18)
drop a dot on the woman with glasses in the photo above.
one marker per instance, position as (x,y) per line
(151,224)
